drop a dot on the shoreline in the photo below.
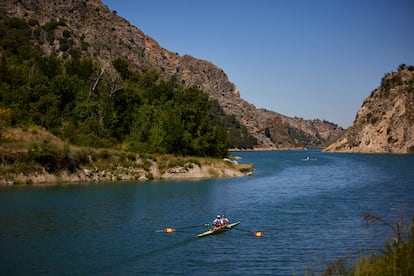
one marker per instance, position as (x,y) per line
(190,171)
(32,156)
(273,149)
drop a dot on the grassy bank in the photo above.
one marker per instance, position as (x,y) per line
(31,155)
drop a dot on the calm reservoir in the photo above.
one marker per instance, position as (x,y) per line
(309,210)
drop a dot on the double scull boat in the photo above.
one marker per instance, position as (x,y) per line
(213,232)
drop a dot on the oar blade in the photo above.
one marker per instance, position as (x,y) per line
(166,230)
(258,234)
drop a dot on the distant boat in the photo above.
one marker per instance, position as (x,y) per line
(309,159)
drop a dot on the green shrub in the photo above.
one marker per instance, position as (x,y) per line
(176,162)
(104,154)
(397,258)
(146,165)
(132,157)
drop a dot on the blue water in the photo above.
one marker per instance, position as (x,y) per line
(309,213)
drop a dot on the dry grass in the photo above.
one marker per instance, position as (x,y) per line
(28,134)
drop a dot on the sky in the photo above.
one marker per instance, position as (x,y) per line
(312,59)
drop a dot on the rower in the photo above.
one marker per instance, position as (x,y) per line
(224,221)
(217,223)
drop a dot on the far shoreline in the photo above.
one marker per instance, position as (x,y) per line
(276,149)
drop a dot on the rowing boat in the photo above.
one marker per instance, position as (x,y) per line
(221,230)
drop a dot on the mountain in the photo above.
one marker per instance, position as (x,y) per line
(385,121)
(96,31)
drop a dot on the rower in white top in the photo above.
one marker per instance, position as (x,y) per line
(224,221)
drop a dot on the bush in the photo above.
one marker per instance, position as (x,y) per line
(397,259)
(131,157)
(44,155)
(146,165)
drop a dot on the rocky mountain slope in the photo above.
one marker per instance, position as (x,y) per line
(97,31)
(385,122)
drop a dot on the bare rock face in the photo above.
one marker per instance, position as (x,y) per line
(385,121)
(91,27)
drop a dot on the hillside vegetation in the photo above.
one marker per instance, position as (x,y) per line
(87,104)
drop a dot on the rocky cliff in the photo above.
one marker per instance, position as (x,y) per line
(385,121)
(96,31)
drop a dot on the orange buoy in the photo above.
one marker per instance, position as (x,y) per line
(258,234)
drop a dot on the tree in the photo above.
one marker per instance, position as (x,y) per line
(51,66)
(121,66)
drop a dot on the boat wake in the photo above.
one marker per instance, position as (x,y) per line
(116,267)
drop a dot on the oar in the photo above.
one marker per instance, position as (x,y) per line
(255,233)
(171,229)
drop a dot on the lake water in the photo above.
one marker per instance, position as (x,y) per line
(309,213)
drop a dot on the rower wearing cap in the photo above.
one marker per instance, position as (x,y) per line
(217,223)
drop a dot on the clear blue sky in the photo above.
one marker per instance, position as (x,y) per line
(312,59)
